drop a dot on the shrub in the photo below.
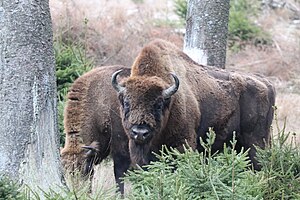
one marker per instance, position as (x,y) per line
(79,192)
(241,29)
(60,114)
(180,8)
(281,166)
(193,175)
(71,62)
(9,190)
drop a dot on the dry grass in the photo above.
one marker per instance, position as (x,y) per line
(104,178)
(114,31)
(289,110)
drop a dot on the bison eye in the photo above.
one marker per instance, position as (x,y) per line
(126,106)
(158,105)
(167,102)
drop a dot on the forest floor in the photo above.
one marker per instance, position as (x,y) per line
(118,29)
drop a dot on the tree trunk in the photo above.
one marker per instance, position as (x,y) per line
(29,145)
(206,31)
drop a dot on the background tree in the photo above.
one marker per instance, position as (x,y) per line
(206,31)
(29,145)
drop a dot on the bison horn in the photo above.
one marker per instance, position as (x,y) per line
(167,93)
(89,148)
(92,151)
(115,83)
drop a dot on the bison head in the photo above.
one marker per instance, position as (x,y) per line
(145,104)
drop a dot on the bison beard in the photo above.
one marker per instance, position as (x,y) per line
(139,153)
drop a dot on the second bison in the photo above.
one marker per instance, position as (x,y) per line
(169,100)
(93,125)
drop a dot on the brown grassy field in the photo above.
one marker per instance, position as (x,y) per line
(114,31)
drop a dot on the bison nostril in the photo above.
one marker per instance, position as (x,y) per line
(134,134)
(139,133)
(146,134)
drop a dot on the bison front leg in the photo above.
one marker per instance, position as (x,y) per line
(252,156)
(254,134)
(121,165)
(251,142)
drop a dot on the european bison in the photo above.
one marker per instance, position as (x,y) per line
(93,125)
(168,99)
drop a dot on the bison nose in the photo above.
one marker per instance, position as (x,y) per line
(140,133)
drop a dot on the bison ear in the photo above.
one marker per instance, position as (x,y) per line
(115,83)
(167,93)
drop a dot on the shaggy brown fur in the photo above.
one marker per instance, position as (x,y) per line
(207,97)
(91,118)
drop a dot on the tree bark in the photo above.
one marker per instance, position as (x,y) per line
(29,140)
(206,31)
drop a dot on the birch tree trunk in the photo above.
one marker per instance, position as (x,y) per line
(29,145)
(206,31)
